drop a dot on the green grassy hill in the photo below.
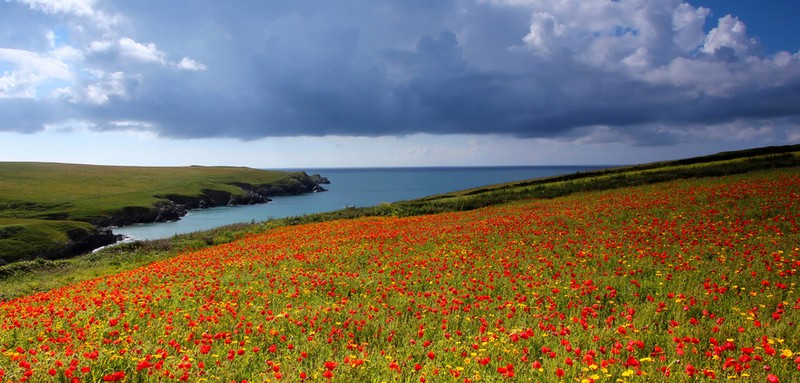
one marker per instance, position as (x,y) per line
(46,208)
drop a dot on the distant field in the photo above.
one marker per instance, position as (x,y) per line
(44,206)
(87,193)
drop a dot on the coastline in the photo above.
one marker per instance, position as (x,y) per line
(58,211)
(359,187)
(177,207)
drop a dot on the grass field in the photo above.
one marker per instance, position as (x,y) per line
(44,205)
(36,238)
(89,193)
(685,280)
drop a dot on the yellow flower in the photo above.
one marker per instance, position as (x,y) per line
(628,373)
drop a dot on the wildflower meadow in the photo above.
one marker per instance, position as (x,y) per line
(684,281)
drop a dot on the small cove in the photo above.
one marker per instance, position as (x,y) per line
(351,187)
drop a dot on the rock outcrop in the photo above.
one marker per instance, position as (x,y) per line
(78,240)
(173,207)
(84,238)
(319,180)
(84,242)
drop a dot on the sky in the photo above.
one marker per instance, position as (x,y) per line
(367,83)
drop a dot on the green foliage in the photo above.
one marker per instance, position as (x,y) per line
(32,238)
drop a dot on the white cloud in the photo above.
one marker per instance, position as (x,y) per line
(709,77)
(17,85)
(34,62)
(62,71)
(80,8)
(544,28)
(128,48)
(30,70)
(687,23)
(99,91)
(724,77)
(782,59)
(641,59)
(131,124)
(142,52)
(75,7)
(657,42)
(67,54)
(730,33)
(51,38)
(69,126)
(138,129)
(603,33)
(100,46)
(111,84)
(189,64)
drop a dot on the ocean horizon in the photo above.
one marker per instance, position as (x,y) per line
(353,186)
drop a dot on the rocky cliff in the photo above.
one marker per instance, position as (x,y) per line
(173,207)
(41,229)
(30,240)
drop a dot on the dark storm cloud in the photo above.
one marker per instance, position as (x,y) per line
(360,68)
(26,115)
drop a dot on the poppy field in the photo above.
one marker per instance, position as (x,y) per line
(684,281)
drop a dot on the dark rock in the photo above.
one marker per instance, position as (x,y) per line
(80,242)
(250,198)
(319,180)
(297,183)
(83,242)
(169,211)
(173,207)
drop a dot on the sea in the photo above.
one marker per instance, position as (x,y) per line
(359,187)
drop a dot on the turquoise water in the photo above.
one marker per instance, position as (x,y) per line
(351,187)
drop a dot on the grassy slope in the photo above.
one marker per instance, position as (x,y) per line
(27,277)
(84,192)
(43,205)
(32,238)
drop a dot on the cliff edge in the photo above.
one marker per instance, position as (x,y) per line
(54,210)
(172,207)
